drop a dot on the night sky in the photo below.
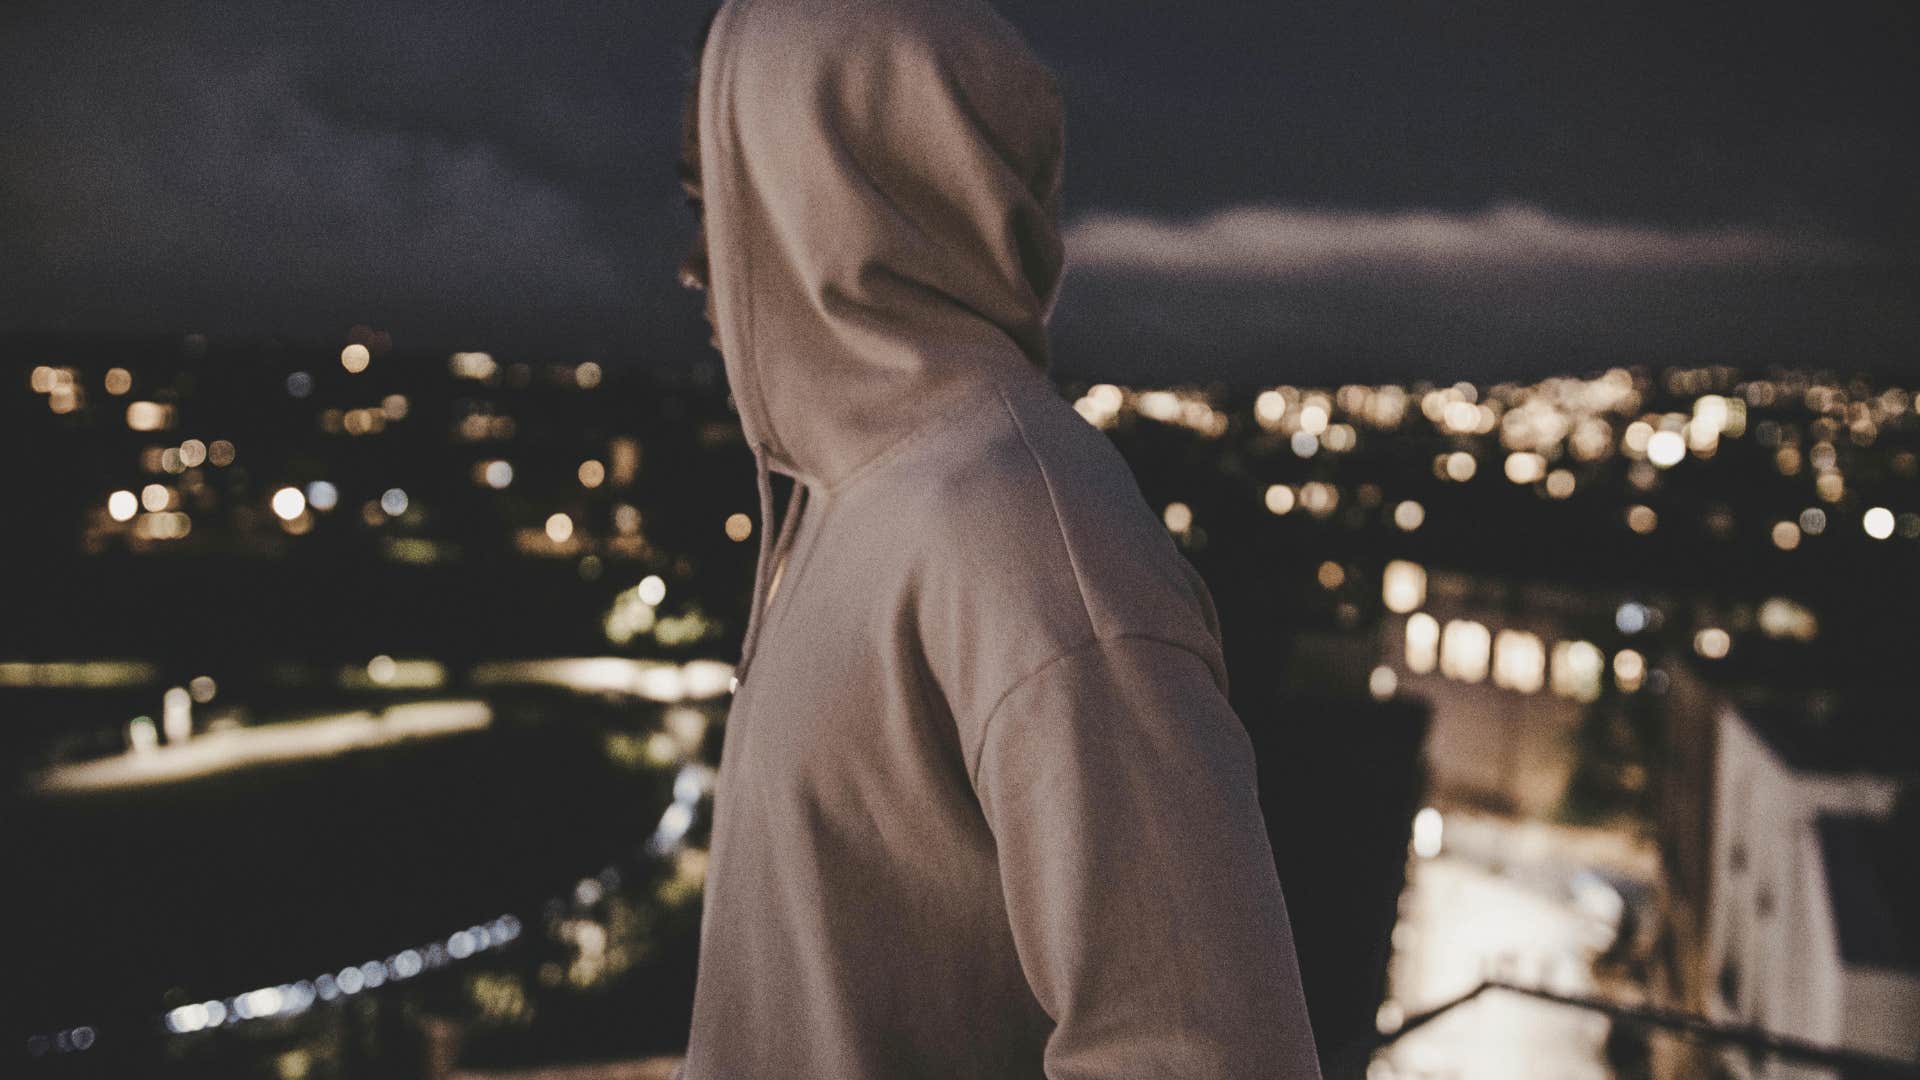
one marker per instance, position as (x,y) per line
(1257,190)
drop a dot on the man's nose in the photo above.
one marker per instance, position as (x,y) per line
(693,270)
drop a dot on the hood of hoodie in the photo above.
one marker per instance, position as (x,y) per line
(881,181)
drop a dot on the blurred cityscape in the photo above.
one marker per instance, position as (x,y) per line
(363,705)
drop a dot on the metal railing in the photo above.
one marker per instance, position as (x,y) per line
(1352,1062)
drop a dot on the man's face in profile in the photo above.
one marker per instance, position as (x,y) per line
(693,269)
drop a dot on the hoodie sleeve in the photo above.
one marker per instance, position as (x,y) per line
(1139,878)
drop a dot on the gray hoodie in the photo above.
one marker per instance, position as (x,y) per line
(983,809)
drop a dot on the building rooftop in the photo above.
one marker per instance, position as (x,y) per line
(1875,886)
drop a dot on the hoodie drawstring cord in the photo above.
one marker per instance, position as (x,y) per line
(764,481)
(772,547)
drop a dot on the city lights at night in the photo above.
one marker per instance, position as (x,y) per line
(881,539)
(1415,543)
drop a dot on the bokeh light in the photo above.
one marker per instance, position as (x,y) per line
(1178,517)
(1878,522)
(289,503)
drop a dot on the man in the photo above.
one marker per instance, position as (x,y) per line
(983,809)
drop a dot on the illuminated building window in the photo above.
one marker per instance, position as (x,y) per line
(1403,587)
(148,416)
(623,460)
(1423,643)
(1465,648)
(1519,661)
(1576,670)
(1428,832)
(176,714)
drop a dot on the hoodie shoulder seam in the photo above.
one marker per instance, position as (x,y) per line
(1075,651)
(1053,505)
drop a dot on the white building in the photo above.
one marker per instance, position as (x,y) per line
(1805,935)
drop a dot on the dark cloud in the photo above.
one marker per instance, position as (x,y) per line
(1278,243)
(1267,294)
(278,168)
(500,176)
(1688,114)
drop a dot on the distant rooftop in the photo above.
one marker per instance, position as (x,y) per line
(1875,886)
(1855,731)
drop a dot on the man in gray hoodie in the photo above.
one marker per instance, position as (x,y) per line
(983,809)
